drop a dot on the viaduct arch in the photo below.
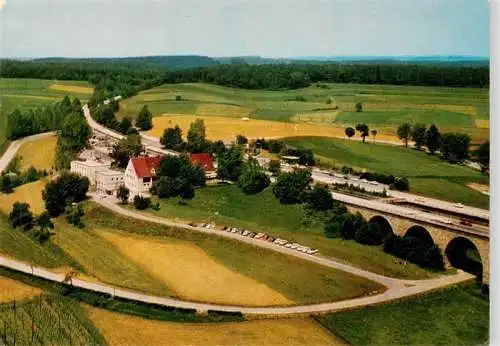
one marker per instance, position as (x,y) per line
(462,250)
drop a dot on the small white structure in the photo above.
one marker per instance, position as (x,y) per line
(88,168)
(140,175)
(108,182)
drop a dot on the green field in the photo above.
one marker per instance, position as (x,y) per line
(428,175)
(264,213)
(48,319)
(385,106)
(85,250)
(25,94)
(457,316)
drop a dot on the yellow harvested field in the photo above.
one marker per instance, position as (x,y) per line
(191,273)
(227,128)
(212,109)
(14,290)
(72,88)
(121,329)
(29,193)
(479,187)
(482,123)
(38,153)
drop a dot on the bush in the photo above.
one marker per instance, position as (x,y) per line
(292,187)
(369,234)
(401,184)
(350,224)
(253,179)
(74,214)
(414,250)
(21,216)
(320,198)
(141,203)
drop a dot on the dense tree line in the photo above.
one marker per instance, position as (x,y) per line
(127,79)
(42,119)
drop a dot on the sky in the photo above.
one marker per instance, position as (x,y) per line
(269,28)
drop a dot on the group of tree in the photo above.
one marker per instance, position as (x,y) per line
(42,119)
(72,138)
(414,250)
(293,187)
(65,190)
(38,226)
(177,176)
(253,179)
(453,147)
(12,177)
(125,149)
(306,156)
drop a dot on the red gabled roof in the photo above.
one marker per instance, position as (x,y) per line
(204,160)
(146,166)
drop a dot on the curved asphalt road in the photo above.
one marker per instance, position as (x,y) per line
(396,288)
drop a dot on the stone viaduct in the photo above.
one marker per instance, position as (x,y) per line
(458,244)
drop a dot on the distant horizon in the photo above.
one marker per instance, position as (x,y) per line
(307,57)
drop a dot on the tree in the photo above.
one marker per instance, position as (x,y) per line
(418,135)
(483,154)
(363,130)
(125,125)
(21,216)
(230,164)
(141,203)
(404,133)
(455,147)
(433,139)
(67,188)
(369,234)
(292,188)
(359,107)
(44,224)
(125,149)
(374,134)
(241,140)
(123,194)
(172,138)
(275,167)
(350,224)
(401,184)
(253,179)
(144,120)
(196,137)
(217,148)
(320,198)
(6,183)
(349,132)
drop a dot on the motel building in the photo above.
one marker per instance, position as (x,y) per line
(108,182)
(88,168)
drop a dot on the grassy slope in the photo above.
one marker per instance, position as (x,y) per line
(428,175)
(458,316)
(57,321)
(386,106)
(299,280)
(254,212)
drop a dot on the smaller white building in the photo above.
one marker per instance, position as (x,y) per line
(108,182)
(88,168)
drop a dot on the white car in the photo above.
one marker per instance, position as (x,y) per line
(458,205)
(245,233)
(259,235)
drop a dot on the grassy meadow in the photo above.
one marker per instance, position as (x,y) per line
(228,205)
(428,175)
(384,106)
(112,249)
(25,94)
(456,316)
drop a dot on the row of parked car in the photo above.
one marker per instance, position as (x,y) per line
(261,236)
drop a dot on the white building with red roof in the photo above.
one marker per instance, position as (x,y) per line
(140,175)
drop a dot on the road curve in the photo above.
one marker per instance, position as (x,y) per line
(15,145)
